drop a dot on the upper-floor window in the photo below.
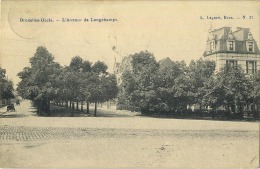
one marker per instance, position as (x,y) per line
(250,46)
(251,67)
(231,45)
(211,46)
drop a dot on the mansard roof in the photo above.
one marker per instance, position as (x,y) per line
(240,36)
(165,63)
(221,33)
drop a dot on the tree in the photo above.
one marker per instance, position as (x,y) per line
(214,94)
(109,86)
(76,81)
(83,82)
(95,90)
(101,85)
(182,92)
(99,67)
(86,66)
(7,89)
(6,86)
(128,86)
(2,73)
(169,82)
(86,86)
(76,63)
(87,72)
(38,82)
(229,88)
(139,84)
(255,94)
(200,72)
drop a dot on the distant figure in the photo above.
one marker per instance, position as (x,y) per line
(10,107)
(17,102)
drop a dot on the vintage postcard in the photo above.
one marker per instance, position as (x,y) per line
(129,84)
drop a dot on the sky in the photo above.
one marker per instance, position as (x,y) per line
(171,29)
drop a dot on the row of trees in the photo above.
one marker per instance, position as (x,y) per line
(6,86)
(154,87)
(170,87)
(45,81)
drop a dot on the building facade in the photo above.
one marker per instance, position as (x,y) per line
(238,47)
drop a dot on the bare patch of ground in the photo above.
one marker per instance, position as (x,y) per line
(131,152)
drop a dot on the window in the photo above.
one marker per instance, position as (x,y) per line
(232,63)
(251,67)
(212,46)
(250,46)
(231,45)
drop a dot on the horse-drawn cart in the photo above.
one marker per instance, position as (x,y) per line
(10,107)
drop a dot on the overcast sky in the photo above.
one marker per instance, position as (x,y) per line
(166,28)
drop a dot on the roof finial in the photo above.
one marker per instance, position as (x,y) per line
(210,28)
(230,34)
(250,37)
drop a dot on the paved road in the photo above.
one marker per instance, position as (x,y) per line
(124,141)
(65,133)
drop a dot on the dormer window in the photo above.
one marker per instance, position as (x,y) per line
(230,35)
(211,36)
(250,37)
(250,46)
(231,45)
(212,46)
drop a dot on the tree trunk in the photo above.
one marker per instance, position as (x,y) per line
(66,104)
(228,110)
(40,107)
(87,108)
(95,112)
(70,104)
(77,106)
(81,109)
(48,107)
(38,110)
(241,111)
(108,104)
(72,113)
(73,105)
(254,112)
(213,113)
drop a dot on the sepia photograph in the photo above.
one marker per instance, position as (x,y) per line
(130,84)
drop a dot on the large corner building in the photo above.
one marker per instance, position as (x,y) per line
(237,47)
